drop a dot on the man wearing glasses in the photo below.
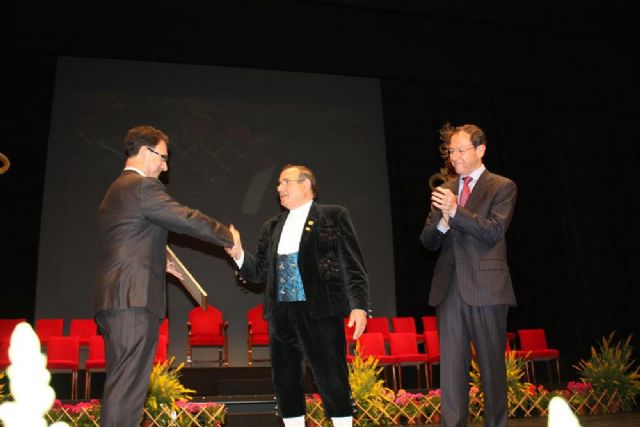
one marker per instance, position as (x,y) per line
(310,260)
(130,293)
(471,287)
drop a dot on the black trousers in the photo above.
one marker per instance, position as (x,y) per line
(130,338)
(459,324)
(294,334)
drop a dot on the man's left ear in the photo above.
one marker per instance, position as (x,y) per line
(481,149)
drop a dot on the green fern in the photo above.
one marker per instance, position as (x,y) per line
(611,368)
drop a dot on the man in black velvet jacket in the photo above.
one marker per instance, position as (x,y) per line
(310,260)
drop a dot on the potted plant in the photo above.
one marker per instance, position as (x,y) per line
(610,369)
(165,390)
(374,401)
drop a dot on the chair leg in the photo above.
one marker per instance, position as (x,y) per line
(87,384)
(526,371)
(558,369)
(220,358)
(189,360)
(74,385)
(399,376)
(393,377)
(533,372)
(549,370)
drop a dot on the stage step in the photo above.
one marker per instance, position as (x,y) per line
(253,420)
(243,404)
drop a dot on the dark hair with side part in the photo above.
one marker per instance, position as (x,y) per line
(140,136)
(304,172)
(476,134)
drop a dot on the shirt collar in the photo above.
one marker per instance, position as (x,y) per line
(475,174)
(301,211)
(131,168)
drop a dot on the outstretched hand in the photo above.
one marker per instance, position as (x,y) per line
(236,250)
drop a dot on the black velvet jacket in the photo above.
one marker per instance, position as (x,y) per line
(329,259)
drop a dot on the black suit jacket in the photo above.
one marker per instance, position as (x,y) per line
(133,221)
(475,244)
(329,259)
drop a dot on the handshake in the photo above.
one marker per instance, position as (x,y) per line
(235,251)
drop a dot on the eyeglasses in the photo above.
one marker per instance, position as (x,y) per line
(165,158)
(452,151)
(285,182)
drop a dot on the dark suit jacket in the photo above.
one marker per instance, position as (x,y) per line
(329,259)
(133,221)
(475,244)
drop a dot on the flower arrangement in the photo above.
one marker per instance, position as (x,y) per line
(410,407)
(165,389)
(368,391)
(611,369)
(200,414)
(83,414)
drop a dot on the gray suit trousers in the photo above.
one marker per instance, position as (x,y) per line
(459,324)
(131,337)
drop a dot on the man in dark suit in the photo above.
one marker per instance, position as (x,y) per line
(130,292)
(310,260)
(471,287)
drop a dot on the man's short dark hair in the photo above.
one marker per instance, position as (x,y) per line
(142,135)
(304,172)
(476,134)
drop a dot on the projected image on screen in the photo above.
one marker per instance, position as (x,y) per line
(231,131)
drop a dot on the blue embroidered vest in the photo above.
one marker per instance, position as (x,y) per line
(289,281)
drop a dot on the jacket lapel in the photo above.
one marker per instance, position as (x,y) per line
(277,232)
(309,226)
(479,190)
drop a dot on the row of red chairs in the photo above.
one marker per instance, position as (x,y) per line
(399,325)
(403,351)
(63,352)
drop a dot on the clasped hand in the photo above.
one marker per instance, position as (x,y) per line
(445,200)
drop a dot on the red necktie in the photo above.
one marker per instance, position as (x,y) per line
(466,191)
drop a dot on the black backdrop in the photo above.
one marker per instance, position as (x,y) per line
(555,87)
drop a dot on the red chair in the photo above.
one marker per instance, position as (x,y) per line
(432,346)
(95,362)
(162,350)
(84,329)
(534,342)
(257,332)
(8,325)
(63,355)
(406,325)
(4,353)
(379,325)
(372,344)
(429,323)
(207,328)
(46,328)
(404,346)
